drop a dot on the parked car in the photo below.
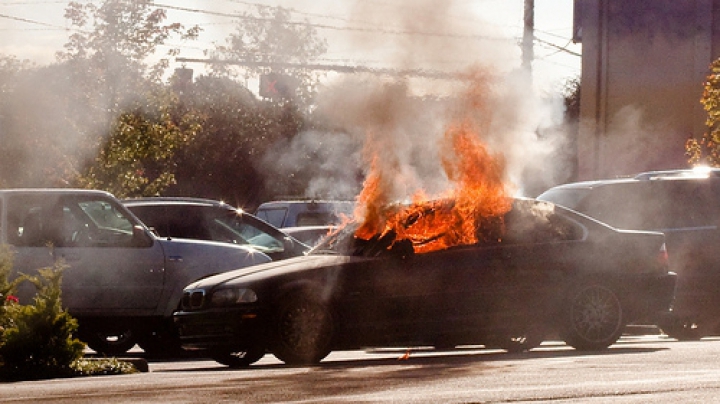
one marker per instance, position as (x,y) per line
(685,206)
(206,219)
(122,283)
(305,213)
(537,270)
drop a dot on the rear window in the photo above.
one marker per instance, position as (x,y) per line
(316,218)
(274,216)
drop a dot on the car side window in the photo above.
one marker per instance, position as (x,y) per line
(539,224)
(42,220)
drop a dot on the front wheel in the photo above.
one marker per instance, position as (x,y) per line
(593,319)
(111,343)
(303,331)
(238,358)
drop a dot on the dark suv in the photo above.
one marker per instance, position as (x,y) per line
(683,204)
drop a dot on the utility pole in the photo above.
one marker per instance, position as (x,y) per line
(528,35)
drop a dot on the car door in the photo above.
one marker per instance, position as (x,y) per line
(389,299)
(504,285)
(107,270)
(28,256)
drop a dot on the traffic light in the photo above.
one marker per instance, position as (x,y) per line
(277,86)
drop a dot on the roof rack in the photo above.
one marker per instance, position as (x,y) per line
(697,172)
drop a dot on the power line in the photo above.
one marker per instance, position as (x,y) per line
(558,47)
(373,30)
(9,17)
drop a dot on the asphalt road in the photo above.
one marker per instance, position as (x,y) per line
(638,369)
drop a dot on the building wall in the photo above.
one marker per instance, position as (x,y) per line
(643,67)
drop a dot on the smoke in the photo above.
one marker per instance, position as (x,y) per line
(400,119)
(631,134)
(327,161)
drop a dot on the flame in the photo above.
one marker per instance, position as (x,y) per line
(459,216)
(471,209)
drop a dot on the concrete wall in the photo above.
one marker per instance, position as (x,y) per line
(643,67)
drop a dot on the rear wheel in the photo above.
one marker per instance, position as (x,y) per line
(303,331)
(593,318)
(238,358)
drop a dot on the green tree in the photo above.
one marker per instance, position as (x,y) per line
(571,96)
(138,121)
(706,149)
(268,41)
(55,118)
(118,37)
(237,130)
(138,157)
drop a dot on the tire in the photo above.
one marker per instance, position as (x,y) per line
(110,343)
(237,358)
(303,331)
(593,318)
(683,330)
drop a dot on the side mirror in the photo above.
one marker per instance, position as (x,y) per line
(141,238)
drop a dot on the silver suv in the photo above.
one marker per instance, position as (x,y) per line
(122,282)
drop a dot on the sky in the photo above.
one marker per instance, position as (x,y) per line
(359,33)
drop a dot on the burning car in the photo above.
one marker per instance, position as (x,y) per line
(534,270)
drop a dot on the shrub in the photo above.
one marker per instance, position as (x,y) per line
(37,339)
(7,289)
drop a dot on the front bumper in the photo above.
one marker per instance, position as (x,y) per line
(219,327)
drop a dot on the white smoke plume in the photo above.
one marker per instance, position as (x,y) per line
(401,118)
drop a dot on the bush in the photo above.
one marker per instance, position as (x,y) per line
(7,289)
(37,341)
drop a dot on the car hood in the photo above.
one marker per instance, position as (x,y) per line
(272,269)
(212,256)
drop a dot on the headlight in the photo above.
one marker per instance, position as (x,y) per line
(226,297)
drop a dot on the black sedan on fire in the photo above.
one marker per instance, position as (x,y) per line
(536,270)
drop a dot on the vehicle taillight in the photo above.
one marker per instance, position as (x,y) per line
(663,256)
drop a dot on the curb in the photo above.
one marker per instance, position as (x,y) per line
(139,363)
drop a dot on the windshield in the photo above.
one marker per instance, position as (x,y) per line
(243,230)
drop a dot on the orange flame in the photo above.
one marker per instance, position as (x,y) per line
(469,211)
(457,217)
